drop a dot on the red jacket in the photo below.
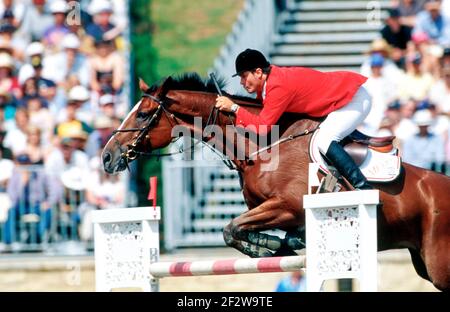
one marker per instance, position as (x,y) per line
(302,90)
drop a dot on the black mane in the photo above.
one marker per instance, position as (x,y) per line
(193,82)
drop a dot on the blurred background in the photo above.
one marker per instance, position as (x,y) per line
(68,77)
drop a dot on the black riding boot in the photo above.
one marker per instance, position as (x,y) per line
(346,166)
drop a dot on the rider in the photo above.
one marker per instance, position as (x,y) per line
(338,95)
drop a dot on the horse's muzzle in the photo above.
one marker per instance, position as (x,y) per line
(111,166)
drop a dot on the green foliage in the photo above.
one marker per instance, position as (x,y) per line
(143,60)
(189,34)
(172,37)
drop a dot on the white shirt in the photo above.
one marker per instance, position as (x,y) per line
(440,96)
(423,151)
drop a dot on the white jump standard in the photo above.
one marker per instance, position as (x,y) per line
(341,240)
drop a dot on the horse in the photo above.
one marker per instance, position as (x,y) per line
(415,209)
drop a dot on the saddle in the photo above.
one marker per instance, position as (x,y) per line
(357,144)
(376,157)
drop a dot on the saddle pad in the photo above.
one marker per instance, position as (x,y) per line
(377,167)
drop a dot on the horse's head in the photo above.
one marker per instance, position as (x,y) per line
(142,130)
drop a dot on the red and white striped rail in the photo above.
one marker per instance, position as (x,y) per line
(228,266)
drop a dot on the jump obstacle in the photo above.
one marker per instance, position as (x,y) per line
(340,235)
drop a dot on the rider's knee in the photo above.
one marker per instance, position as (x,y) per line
(323,142)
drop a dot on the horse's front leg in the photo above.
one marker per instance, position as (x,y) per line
(246,248)
(243,233)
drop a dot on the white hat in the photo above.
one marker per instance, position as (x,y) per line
(58,6)
(423,117)
(103,122)
(6,169)
(79,93)
(70,41)
(6,60)
(75,179)
(35,48)
(26,72)
(99,6)
(106,99)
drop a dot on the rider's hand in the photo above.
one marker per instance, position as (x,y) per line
(223,103)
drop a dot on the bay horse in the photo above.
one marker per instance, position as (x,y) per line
(415,209)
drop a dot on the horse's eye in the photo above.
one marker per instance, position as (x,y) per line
(143,115)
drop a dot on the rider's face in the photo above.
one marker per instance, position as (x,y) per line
(252,80)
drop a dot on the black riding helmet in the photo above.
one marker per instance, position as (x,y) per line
(250,60)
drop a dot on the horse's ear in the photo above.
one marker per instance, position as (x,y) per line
(142,85)
(164,88)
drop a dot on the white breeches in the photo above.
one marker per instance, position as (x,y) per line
(343,121)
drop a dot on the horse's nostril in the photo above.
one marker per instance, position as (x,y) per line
(106,158)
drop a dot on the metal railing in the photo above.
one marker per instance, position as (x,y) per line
(39,214)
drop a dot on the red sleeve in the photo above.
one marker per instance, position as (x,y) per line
(275,103)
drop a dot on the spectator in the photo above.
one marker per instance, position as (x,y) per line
(34,52)
(416,83)
(107,72)
(102,28)
(68,68)
(8,109)
(440,92)
(107,105)
(31,199)
(440,124)
(72,126)
(37,20)
(382,91)
(424,149)
(78,107)
(429,51)
(29,89)
(16,138)
(13,11)
(66,167)
(8,82)
(389,69)
(404,127)
(294,282)
(8,37)
(5,153)
(41,118)
(397,35)
(100,136)
(34,148)
(444,60)
(409,9)
(445,9)
(431,22)
(65,157)
(54,35)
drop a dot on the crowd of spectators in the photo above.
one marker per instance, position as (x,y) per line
(62,76)
(408,67)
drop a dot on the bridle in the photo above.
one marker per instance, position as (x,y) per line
(131,153)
